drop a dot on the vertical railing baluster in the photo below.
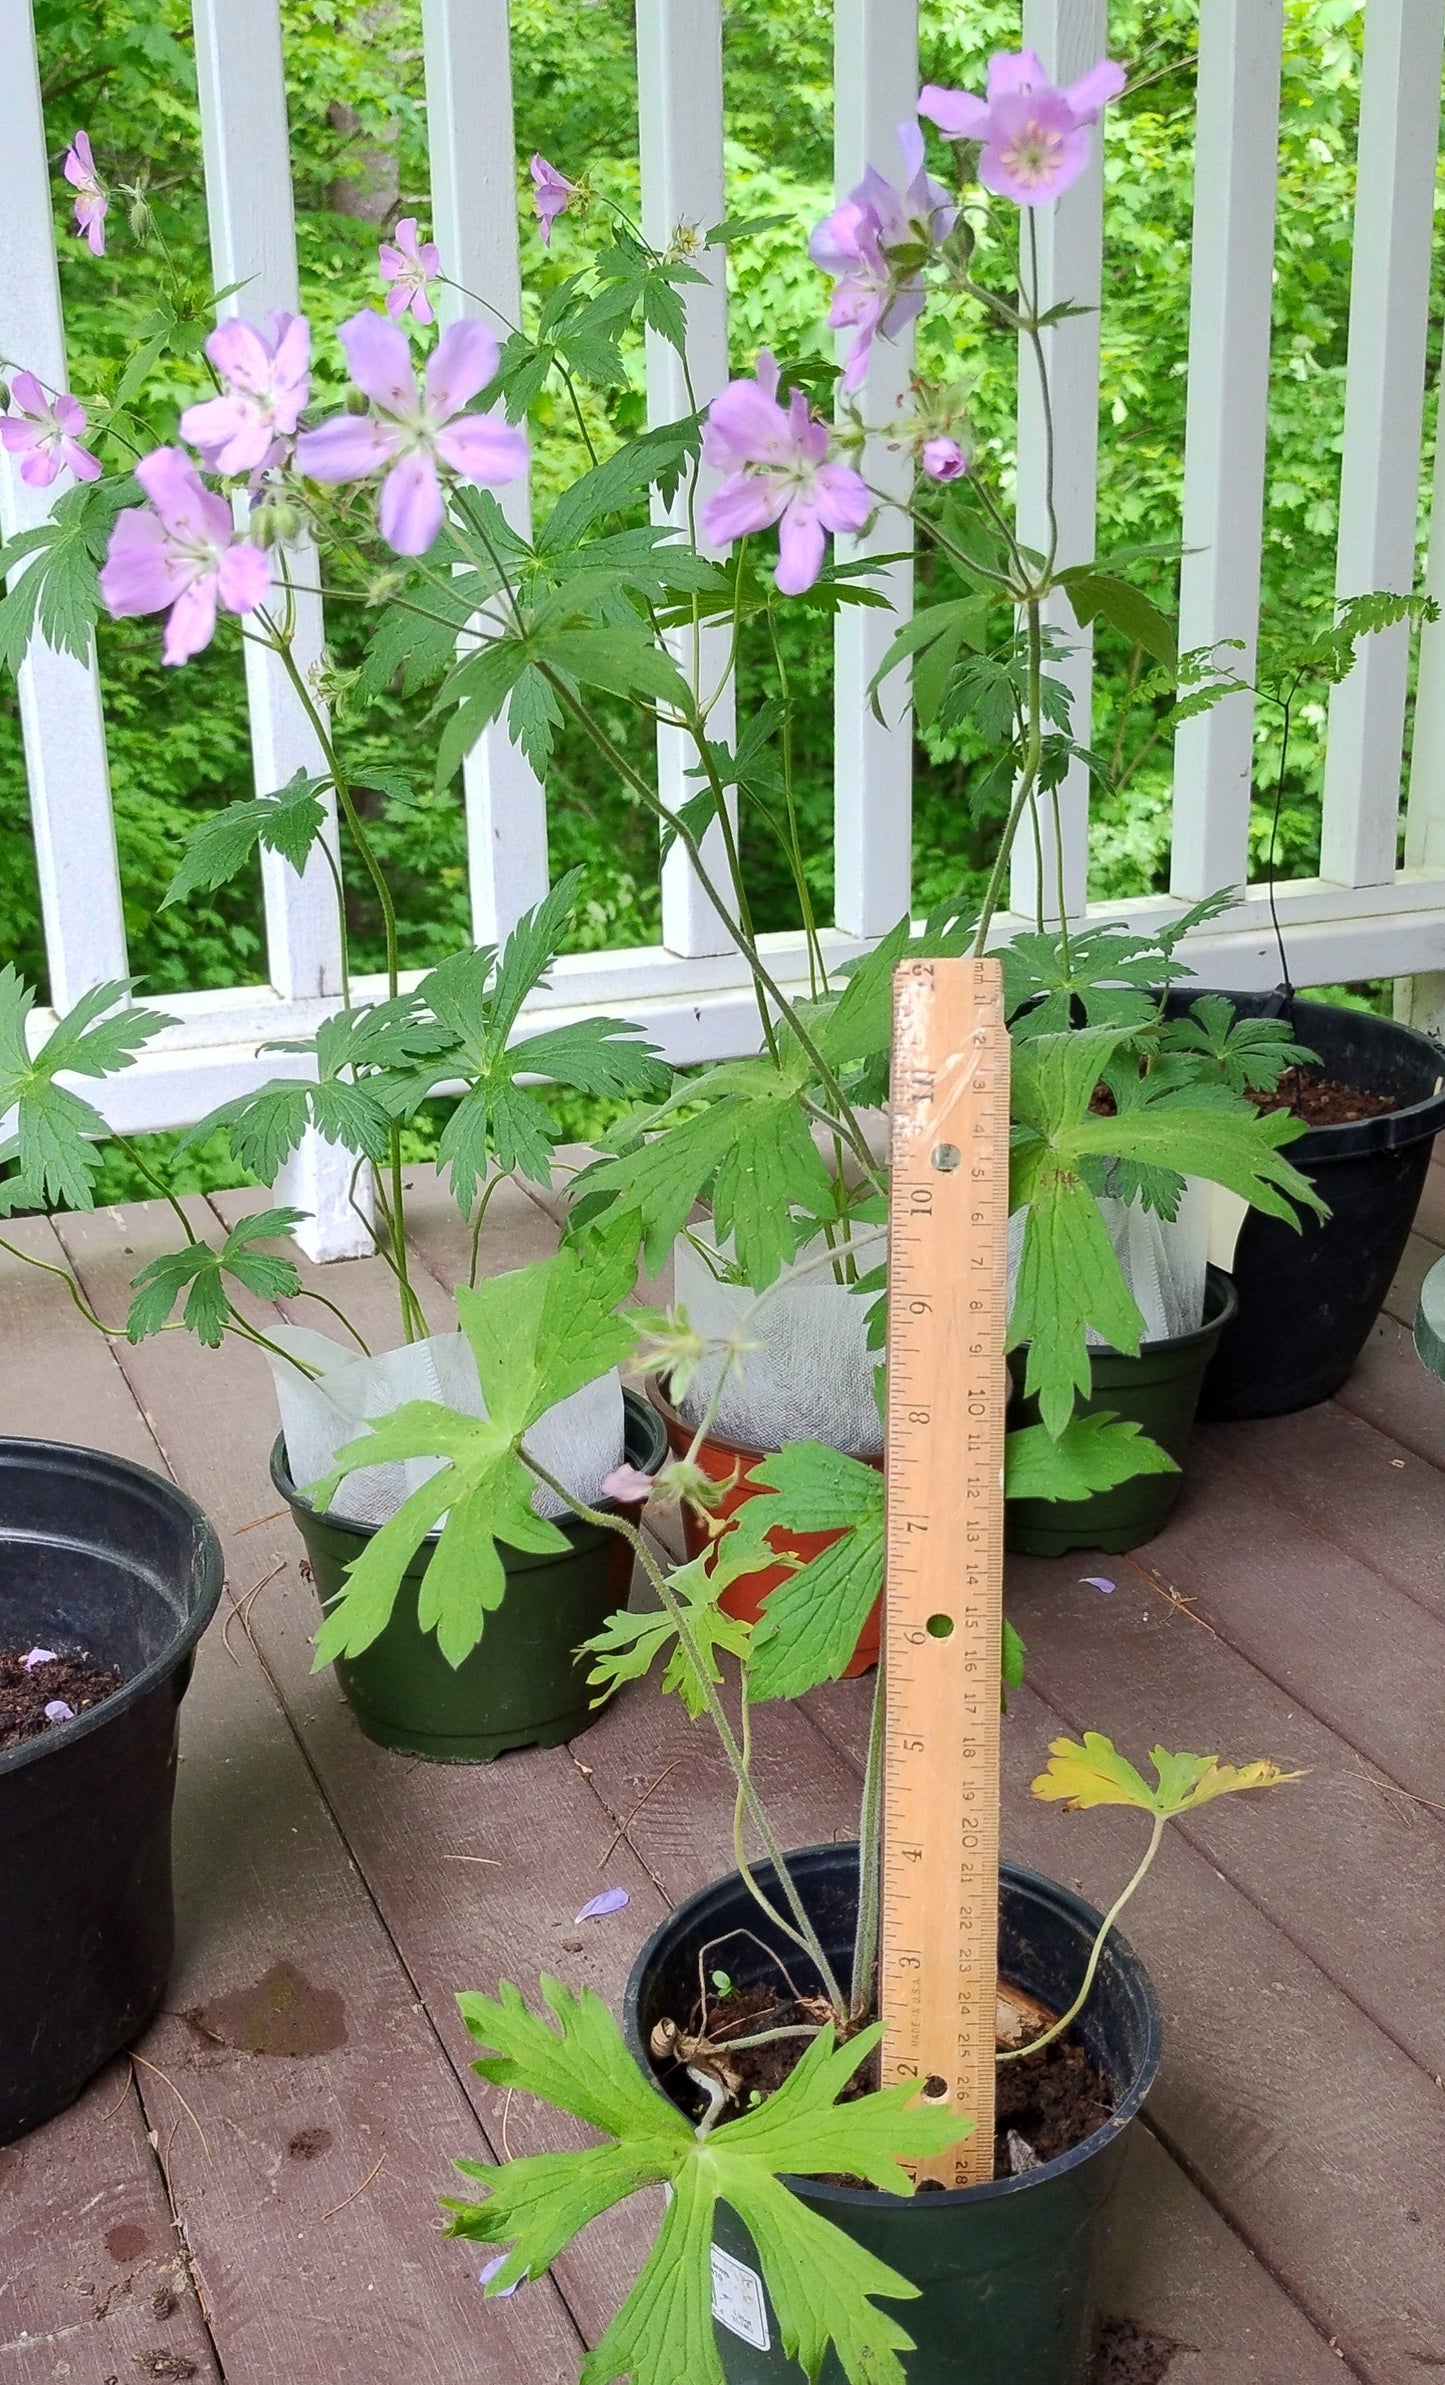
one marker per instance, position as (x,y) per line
(1231,293)
(680,116)
(1384,391)
(60,706)
(1070,37)
(246,146)
(875,71)
(474,222)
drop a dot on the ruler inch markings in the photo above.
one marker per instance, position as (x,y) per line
(947,1318)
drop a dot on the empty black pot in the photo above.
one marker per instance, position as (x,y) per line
(1307,1300)
(99,1557)
(1006,2272)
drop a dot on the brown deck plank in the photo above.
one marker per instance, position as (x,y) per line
(1331,1631)
(84,2217)
(1349,1481)
(1347,1871)
(311,2266)
(1390,1389)
(533,1817)
(1403,1297)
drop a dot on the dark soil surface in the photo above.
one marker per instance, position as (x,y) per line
(1127,2356)
(1051,2102)
(1324,1101)
(73,1681)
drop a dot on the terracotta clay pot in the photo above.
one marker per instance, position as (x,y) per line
(745,1598)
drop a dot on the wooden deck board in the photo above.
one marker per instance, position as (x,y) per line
(1298,2119)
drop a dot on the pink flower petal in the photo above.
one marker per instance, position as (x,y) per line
(944,460)
(960,114)
(26,392)
(489,2270)
(41,466)
(17,435)
(243,578)
(38,1656)
(801,547)
(139,574)
(396,301)
(1021,70)
(746,425)
(80,461)
(627,1484)
(380,362)
(231,432)
(241,356)
(191,623)
(463,361)
(412,511)
(189,510)
(1095,89)
(347,448)
(1097,1581)
(746,502)
(597,1908)
(58,1712)
(484,449)
(841,497)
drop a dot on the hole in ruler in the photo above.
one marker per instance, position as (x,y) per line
(946,1157)
(935,2090)
(940,1627)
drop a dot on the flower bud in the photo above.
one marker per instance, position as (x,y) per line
(943,459)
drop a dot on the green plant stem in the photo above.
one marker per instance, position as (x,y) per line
(870,1860)
(740,1852)
(1028,779)
(340,1316)
(500,1177)
(237,1324)
(124,1143)
(817,968)
(677,1616)
(49,1267)
(845,1116)
(1066,2020)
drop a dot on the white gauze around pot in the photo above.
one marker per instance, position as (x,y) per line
(579,1441)
(808,1375)
(1163,1260)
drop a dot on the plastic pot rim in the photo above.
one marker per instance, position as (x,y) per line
(1219,1287)
(633,1405)
(1393,1130)
(210,1577)
(994,2190)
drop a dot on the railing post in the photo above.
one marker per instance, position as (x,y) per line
(875,72)
(1070,37)
(1384,390)
(246,145)
(1236,144)
(60,707)
(474,223)
(680,119)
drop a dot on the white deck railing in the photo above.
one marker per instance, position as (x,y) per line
(1362,917)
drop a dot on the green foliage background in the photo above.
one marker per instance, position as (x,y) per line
(125,69)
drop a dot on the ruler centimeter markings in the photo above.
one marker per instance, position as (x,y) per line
(947,1391)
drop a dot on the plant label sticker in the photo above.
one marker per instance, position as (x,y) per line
(737,2300)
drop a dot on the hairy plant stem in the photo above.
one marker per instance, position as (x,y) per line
(846,1118)
(1028,778)
(677,1616)
(1066,2019)
(144,1168)
(413,1323)
(870,1860)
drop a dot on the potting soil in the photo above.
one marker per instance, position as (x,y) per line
(1051,2102)
(73,1681)
(1324,1101)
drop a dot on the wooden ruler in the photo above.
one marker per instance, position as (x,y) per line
(947,1389)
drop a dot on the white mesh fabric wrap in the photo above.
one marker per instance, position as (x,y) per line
(1163,1262)
(580,1440)
(809,1376)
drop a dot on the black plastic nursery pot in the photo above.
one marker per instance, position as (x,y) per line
(97,1558)
(524,1684)
(1006,2272)
(1308,1300)
(1159,1391)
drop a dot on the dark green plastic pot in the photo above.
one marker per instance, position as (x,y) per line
(1159,1391)
(1006,2272)
(523,1685)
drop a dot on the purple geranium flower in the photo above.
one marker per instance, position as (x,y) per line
(552,193)
(45,431)
(409,267)
(1034,136)
(57,1711)
(944,459)
(180,554)
(409,435)
(856,244)
(597,1908)
(267,384)
(778,471)
(91,200)
(37,1657)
